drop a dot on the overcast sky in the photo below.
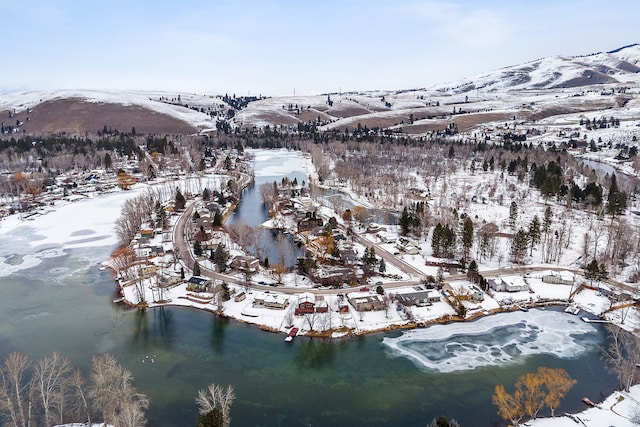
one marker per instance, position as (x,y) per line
(273,47)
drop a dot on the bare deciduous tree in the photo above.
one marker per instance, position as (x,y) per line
(242,233)
(50,383)
(80,405)
(216,397)
(623,356)
(16,390)
(112,393)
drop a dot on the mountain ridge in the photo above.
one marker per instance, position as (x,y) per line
(546,86)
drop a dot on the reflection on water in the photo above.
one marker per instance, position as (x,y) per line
(153,328)
(315,353)
(218,327)
(63,304)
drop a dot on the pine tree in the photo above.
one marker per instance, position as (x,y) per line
(617,200)
(220,257)
(448,241)
(534,232)
(519,246)
(467,236)
(180,201)
(548,219)
(513,213)
(436,238)
(217,219)
(405,221)
(197,248)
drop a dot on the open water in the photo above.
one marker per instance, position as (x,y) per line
(63,303)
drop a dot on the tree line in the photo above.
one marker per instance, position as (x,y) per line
(51,391)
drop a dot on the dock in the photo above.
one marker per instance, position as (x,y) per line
(291,335)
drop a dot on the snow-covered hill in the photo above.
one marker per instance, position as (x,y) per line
(529,92)
(617,66)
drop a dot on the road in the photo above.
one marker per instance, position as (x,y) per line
(415,275)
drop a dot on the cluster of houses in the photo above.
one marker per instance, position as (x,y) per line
(64,188)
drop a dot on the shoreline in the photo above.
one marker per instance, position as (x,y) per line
(331,334)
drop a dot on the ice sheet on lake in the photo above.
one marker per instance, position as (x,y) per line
(13,263)
(494,340)
(281,162)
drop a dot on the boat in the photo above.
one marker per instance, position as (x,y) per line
(292,333)
(118,300)
(588,401)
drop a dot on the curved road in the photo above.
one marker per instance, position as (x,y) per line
(415,275)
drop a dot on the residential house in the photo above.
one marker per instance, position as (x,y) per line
(309,224)
(374,228)
(365,301)
(199,283)
(306,304)
(272,301)
(407,246)
(147,233)
(309,303)
(507,284)
(419,298)
(240,262)
(476,294)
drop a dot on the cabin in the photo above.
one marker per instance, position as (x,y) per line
(240,296)
(306,304)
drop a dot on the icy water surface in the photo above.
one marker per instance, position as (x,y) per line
(497,340)
(54,297)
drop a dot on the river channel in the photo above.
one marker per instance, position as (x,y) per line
(54,297)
